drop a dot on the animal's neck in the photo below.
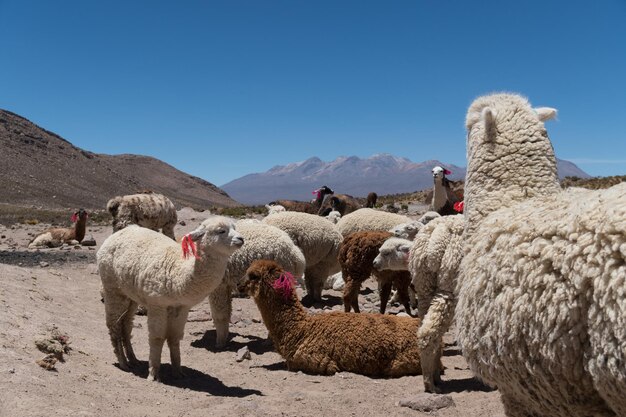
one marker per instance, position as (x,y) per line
(440,196)
(490,185)
(204,274)
(281,319)
(79,229)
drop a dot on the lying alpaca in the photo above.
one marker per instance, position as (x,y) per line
(367,344)
(57,236)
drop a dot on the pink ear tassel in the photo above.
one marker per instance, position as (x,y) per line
(459,206)
(317,193)
(188,246)
(74,218)
(284,284)
(447,172)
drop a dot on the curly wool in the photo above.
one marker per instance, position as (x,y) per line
(319,241)
(263,241)
(366,344)
(141,266)
(153,211)
(541,310)
(369,219)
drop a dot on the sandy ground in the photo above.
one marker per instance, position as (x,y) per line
(43,289)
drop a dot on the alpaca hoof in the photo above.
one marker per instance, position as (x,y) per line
(307,301)
(123,366)
(153,378)
(433,389)
(134,362)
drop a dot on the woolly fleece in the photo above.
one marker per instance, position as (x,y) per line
(326,343)
(541,298)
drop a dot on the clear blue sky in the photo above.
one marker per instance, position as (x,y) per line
(225,88)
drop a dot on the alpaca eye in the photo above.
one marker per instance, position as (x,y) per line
(221,232)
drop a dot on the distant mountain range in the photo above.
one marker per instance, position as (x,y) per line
(381,173)
(38,167)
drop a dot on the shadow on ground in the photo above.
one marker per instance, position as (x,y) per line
(30,258)
(195,380)
(257,345)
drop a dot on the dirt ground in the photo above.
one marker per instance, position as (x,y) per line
(41,290)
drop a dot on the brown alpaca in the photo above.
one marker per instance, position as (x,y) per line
(356,256)
(371,200)
(325,343)
(58,235)
(305,206)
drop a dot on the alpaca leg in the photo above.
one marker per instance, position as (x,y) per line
(412,297)
(168,230)
(128,328)
(176,319)
(157,333)
(349,291)
(355,298)
(430,360)
(221,309)
(315,277)
(116,309)
(385,292)
(403,295)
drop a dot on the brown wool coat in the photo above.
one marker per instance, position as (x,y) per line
(367,344)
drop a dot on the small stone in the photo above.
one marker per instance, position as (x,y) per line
(12,370)
(426,402)
(243,353)
(3,236)
(44,264)
(255,320)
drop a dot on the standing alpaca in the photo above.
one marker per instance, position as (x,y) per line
(541,310)
(55,237)
(371,200)
(319,241)
(140,266)
(433,259)
(356,256)
(367,344)
(262,242)
(154,211)
(444,198)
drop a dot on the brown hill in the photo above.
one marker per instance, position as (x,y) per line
(40,168)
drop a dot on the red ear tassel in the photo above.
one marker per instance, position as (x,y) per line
(188,246)
(74,218)
(284,284)
(459,206)
(447,172)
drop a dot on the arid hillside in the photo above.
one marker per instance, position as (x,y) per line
(40,168)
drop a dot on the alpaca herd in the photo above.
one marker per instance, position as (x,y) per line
(533,277)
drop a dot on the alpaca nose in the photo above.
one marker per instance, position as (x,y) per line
(377,264)
(238,241)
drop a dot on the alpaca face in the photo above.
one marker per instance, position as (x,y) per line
(393,255)
(219,234)
(261,278)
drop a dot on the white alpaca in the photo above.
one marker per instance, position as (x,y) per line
(263,241)
(433,259)
(369,219)
(541,309)
(141,266)
(319,241)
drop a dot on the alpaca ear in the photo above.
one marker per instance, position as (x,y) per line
(404,248)
(488,116)
(545,113)
(197,234)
